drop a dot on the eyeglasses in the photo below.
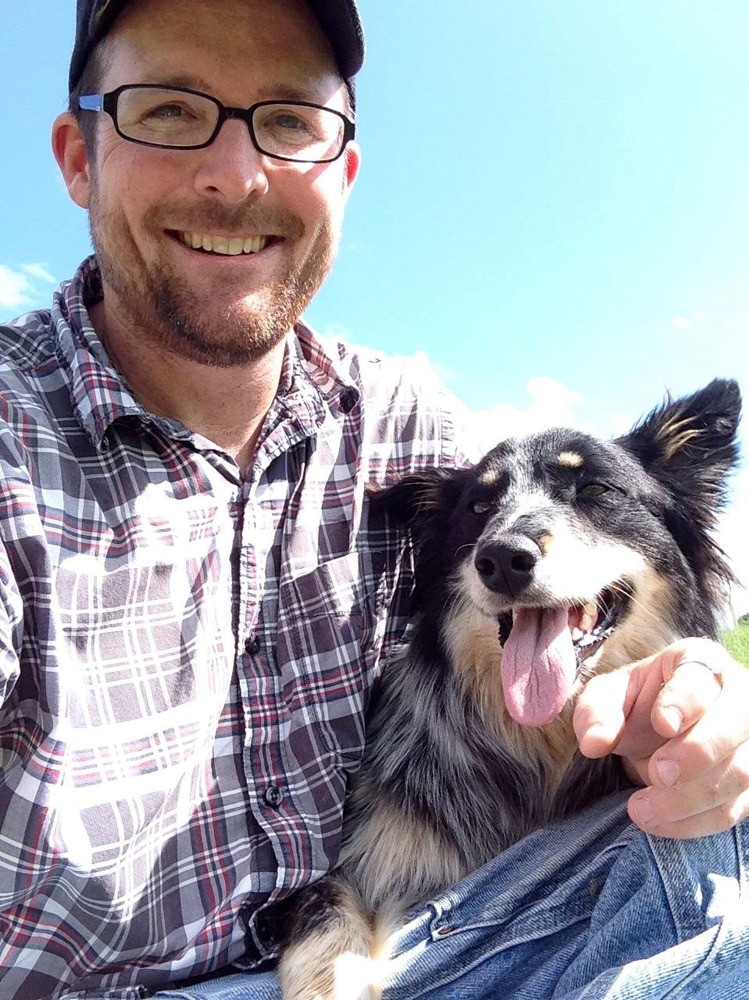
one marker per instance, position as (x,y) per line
(177,118)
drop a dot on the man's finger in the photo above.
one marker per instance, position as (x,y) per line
(613,712)
(713,803)
(634,710)
(704,824)
(719,734)
(686,696)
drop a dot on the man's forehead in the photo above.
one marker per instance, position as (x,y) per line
(287,59)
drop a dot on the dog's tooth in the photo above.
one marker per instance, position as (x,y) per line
(577,634)
(588,616)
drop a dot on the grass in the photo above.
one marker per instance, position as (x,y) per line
(737,641)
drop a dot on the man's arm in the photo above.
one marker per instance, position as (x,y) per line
(680,720)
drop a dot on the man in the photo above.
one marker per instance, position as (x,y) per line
(194,595)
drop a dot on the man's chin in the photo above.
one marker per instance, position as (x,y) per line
(219,324)
(241,341)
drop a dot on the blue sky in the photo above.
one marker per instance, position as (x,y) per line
(553,204)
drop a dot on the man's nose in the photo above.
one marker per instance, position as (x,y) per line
(231,167)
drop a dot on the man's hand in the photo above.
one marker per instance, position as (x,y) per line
(680,720)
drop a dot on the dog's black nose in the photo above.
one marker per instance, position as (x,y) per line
(506,565)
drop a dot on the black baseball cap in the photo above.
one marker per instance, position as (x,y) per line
(339,19)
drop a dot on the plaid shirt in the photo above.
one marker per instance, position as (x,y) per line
(185,655)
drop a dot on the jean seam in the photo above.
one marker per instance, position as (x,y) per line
(707,957)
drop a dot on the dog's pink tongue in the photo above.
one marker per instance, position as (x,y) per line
(538,665)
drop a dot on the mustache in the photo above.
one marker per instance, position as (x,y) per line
(217,218)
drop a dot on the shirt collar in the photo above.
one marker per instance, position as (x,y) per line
(99,393)
(314,379)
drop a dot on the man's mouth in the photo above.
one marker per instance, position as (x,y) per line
(234,247)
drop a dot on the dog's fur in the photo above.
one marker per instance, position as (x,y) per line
(465,756)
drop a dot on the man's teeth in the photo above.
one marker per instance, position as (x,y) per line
(220,245)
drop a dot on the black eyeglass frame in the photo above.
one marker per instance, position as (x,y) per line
(108,103)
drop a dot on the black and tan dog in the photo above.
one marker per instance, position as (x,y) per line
(558,556)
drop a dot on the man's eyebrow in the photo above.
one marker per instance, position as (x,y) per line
(280,92)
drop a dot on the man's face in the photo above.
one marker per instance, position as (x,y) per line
(149,207)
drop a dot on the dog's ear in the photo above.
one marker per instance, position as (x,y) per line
(424,502)
(420,498)
(689,444)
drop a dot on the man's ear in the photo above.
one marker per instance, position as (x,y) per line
(352,156)
(69,149)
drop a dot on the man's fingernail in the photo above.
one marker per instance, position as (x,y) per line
(673,718)
(668,772)
(643,810)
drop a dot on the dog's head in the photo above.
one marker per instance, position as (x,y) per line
(587,554)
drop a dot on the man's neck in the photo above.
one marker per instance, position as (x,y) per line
(225,405)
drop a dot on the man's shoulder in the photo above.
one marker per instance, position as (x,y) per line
(399,410)
(26,346)
(376,375)
(30,371)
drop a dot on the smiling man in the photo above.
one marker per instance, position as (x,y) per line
(183,313)
(196,596)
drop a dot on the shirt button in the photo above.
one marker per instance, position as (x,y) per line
(252,645)
(273,796)
(348,399)
(266,929)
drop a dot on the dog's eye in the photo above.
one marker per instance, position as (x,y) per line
(479,506)
(592,490)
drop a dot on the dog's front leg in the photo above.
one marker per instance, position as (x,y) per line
(327,949)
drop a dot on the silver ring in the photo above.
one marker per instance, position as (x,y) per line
(715,671)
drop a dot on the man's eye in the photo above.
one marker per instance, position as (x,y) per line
(287,121)
(292,126)
(166,111)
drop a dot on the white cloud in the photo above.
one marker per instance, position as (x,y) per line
(13,288)
(552,404)
(39,271)
(19,287)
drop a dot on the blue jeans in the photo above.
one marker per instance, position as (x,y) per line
(590,908)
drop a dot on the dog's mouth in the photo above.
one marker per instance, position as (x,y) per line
(545,649)
(590,624)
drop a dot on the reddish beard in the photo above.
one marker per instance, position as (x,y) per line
(156,301)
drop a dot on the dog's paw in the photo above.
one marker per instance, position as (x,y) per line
(306,973)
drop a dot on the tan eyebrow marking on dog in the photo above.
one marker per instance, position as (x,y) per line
(545,543)
(570,459)
(489,478)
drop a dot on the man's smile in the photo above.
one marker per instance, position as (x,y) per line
(221,245)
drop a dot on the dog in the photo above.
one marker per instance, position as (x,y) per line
(556,557)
